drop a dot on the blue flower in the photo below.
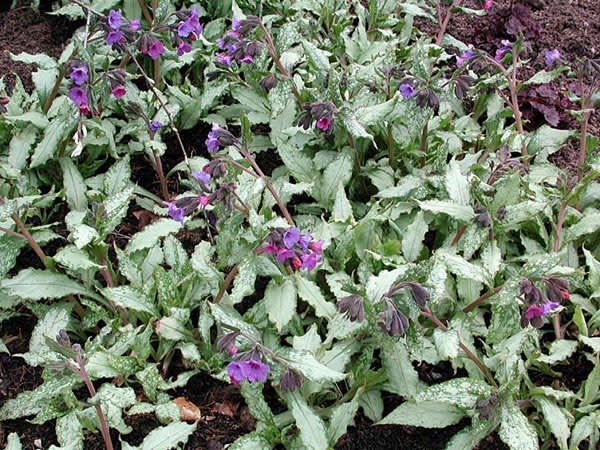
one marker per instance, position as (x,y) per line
(551,56)
(250,370)
(202,177)
(406,90)
(155,126)
(291,237)
(175,212)
(115,19)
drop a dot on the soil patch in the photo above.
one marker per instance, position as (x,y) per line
(24,30)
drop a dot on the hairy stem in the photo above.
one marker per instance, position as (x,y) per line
(90,387)
(161,175)
(444,25)
(475,303)
(246,154)
(472,356)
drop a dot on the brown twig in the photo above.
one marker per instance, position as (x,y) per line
(226,283)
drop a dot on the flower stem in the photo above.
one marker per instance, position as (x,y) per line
(472,356)
(88,382)
(475,303)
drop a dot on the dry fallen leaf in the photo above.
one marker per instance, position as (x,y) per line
(228,409)
(188,411)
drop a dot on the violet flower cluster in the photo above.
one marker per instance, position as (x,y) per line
(294,249)
(236,46)
(465,56)
(209,195)
(322,113)
(118,30)
(189,30)
(249,366)
(539,307)
(78,92)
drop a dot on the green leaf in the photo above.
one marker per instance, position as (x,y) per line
(559,351)
(245,279)
(544,76)
(584,428)
(20,146)
(56,319)
(299,165)
(457,184)
(129,298)
(27,403)
(376,114)
(13,442)
(342,209)
(428,414)
(341,416)
(469,437)
(59,129)
(378,285)
(280,302)
(491,257)
(231,319)
(461,267)
(588,224)
(10,247)
(312,428)
(556,419)
(69,433)
(40,59)
(404,188)
(117,177)
(311,293)
(319,58)
(152,233)
(412,241)
(515,429)
(337,173)
(461,392)
(306,363)
(402,376)
(459,212)
(75,259)
(354,126)
(35,284)
(548,139)
(165,438)
(251,441)
(74,185)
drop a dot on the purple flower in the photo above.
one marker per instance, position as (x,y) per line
(221,43)
(247,59)
(406,90)
(212,141)
(548,307)
(305,241)
(118,91)
(175,212)
(78,95)
(291,237)
(156,49)
(191,26)
(224,59)
(283,254)
(115,19)
(235,372)
(551,56)
(115,37)
(235,24)
(79,75)
(309,262)
(155,125)
(183,48)
(202,177)
(250,370)
(487,4)
(506,47)
(135,25)
(255,370)
(465,56)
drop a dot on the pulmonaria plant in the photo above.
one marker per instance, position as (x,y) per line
(219,138)
(321,113)
(294,249)
(237,46)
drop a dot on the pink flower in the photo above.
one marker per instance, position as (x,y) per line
(325,124)
(203,200)
(487,5)
(118,91)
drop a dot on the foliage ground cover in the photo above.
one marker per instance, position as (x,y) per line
(309,201)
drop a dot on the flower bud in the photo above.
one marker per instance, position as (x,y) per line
(354,306)
(290,381)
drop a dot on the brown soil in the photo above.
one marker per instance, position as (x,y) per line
(24,30)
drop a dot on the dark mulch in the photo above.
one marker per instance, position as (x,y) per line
(366,436)
(24,30)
